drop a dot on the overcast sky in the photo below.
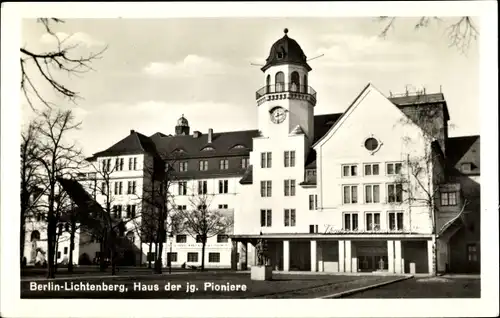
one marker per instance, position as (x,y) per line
(155,70)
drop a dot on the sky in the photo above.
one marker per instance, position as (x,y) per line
(155,70)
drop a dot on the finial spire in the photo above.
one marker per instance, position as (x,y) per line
(285,30)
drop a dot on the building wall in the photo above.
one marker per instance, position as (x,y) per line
(345,145)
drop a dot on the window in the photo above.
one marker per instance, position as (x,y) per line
(106,165)
(202,207)
(448,198)
(393,168)
(245,162)
(313,202)
(350,194)
(183,166)
(350,221)
(395,221)
(289,158)
(208,148)
(132,163)
(466,167)
(289,188)
(279,79)
(371,144)
(104,188)
(372,221)
(266,160)
(265,188)
(203,165)
(181,207)
(65,250)
(349,170)
(119,164)
(222,238)
(372,169)
(131,187)
(118,187)
(223,186)
(181,238)
(372,193)
(172,257)
(213,257)
(395,193)
(130,211)
(117,211)
(58,254)
(222,206)
(202,187)
(313,228)
(182,188)
(289,217)
(472,253)
(198,239)
(224,164)
(265,217)
(192,257)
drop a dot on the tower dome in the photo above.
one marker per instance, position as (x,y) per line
(182,127)
(286,51)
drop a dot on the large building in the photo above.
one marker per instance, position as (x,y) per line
(375,188)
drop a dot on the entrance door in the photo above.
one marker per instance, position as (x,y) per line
(472,258)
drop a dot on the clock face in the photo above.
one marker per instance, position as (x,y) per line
(278,115)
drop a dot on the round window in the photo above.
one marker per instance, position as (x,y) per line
(371,144)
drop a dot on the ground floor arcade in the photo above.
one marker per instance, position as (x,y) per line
(340,254)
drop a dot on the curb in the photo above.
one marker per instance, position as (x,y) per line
(356,290)
(42,279)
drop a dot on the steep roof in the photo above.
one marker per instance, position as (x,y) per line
(420,100)
(286,51)
(464,149)
(134,143)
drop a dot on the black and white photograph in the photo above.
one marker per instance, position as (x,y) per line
(277,154)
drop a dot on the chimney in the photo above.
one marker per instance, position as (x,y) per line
(196,134)
(132,131)
(210,134)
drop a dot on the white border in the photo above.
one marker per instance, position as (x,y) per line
(12,306)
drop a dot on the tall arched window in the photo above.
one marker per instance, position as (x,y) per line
(280,81)
(295,81)
(35,236)
(305,84)
(268,84)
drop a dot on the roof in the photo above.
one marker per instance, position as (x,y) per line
(420,100)
(248,176)
(187,146)
(290,53)
(464,149)
(134,143)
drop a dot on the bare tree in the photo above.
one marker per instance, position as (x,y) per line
(110,225)
(461,33)
(57,159)
(48,65)
(424,172)
(158,200)
(30,177)
(202,222)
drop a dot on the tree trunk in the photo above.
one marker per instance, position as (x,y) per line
(102,265)
(113,260)
(159,262)
(140,256)
(50,248)
(149,254)
(55,253)
(203,254)
(71,246)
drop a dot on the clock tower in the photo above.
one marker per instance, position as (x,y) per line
(285,104)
